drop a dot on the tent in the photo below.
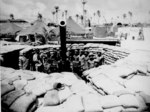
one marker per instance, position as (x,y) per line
(99,31)
(9,28)
(73,27)
(39,27)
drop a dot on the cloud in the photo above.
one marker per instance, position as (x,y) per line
(21,9)
(7,9)
(28,9)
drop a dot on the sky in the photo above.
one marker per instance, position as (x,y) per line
(110,9)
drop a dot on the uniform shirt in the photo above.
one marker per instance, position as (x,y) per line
(23,62)
(82,60)
(91,63)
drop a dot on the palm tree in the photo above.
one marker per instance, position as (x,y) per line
(77,17)
(94,14)
(66,14)
(118,18)
(85,12)
(112,19)
(83,3)
(99,15)
(82,19)
(130,14)
(149,15)
(39,16)
(53,13)
(124,16)
(56,9)
(11,16)
(62,15)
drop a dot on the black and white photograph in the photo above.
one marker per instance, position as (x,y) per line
(75,55)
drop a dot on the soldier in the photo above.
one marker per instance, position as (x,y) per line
(47,64)
(37,61)
(76,63)
(91,60)
(86,58)
(1,60)
(99,58)
(141,35)
(53,62)
(43,56)
(23,61)
(82,60)
(96,62)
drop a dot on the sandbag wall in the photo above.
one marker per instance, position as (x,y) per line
(28,91)
(120,87)
(113,53)
(127,80)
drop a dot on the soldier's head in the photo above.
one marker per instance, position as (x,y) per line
(99,53)
(91,56)
(75,51)
(96,63)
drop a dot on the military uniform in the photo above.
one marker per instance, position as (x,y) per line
(23,62)
(37,62)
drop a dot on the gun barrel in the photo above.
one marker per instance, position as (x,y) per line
(62,27)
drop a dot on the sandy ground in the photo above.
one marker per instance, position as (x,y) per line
(137,44)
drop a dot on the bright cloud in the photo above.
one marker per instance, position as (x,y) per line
(28,9)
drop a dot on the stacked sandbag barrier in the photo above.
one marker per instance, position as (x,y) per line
(29,91)
(128,79)
(119,87)
(64,92)
(113,53)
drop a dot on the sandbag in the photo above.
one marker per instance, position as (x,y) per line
(142,104)
(122,92)
(11,79)
(73,104)
(87,72)
(129,101)
(146,97)
(68,78)
(50,109)
(122,71)
(110,101)
(81,88)
(139,83)
(51,98)
(39,75)
(5,88)
(27,77)
(94,72)
(56,75)
(24,103)
(114,109)
(6,72)
(131,109)
(37,87)
(20,84)
(40,101)
(106,84)
(9,98)
(148,68)
(91,103)
(64,94)
(142,68)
